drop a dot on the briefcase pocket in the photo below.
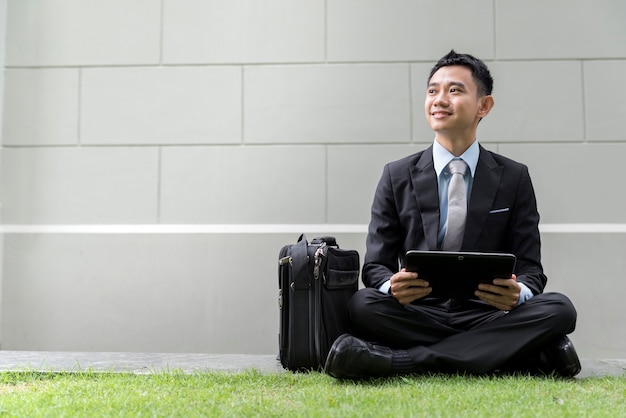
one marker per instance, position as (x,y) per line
(342,269)
(340,281)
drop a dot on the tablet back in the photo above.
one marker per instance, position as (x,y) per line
(457,274)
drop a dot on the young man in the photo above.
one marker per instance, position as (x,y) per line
(511,325)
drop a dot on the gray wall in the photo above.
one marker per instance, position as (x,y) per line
(156,154)
(3,18)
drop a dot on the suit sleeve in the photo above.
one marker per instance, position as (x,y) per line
(384,236)
(524,238)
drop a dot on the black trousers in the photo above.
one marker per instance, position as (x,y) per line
(466,336)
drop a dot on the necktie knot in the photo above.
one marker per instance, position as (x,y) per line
(457,167)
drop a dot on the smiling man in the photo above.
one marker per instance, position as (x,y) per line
(455,196)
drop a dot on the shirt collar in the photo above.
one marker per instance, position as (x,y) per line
(441,157)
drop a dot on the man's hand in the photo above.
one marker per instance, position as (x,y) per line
(502,294)
(406,287)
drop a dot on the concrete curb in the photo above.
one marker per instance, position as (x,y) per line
(144,363)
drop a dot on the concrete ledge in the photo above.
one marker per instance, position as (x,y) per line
(143,363)
(57,361)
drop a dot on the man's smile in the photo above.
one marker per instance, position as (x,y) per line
(439,114)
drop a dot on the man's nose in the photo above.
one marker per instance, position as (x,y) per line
(441,99)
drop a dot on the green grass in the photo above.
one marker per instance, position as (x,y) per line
(90,394)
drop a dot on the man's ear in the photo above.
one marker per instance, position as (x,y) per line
(486,104)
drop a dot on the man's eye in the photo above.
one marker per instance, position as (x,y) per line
(453,90)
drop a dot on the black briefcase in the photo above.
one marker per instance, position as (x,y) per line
(315,280)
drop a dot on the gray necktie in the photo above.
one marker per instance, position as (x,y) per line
(457,206)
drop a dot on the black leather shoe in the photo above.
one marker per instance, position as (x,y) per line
(353,358)
(560,358)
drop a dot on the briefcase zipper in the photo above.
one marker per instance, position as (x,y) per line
(319,254)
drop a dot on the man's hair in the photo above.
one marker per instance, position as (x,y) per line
(480,72)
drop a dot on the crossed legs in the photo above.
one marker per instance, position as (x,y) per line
(461,335)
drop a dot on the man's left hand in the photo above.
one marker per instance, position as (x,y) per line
(502,294)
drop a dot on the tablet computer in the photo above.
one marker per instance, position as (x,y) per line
(457,274)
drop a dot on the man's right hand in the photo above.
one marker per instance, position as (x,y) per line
(406,287)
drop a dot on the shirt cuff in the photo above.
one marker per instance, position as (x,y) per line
(525,294)
(386,286)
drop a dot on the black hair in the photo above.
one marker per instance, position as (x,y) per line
(480,72)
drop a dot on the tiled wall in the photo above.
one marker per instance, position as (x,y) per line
(275,112)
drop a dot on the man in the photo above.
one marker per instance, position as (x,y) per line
(511,325)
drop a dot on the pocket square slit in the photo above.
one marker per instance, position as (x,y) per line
(499,210)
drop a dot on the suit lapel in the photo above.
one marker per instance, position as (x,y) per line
(423,177)
(484,190)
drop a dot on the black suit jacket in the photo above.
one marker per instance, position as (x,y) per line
(502,216)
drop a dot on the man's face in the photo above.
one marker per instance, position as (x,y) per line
(452,104)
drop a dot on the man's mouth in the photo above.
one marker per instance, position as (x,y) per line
(440,114)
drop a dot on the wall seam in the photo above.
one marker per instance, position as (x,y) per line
(584,102)
(411,105)
(326,183)
(79,139)
(263,228)
(326,31)
(161,31)
(495,29)
(159,184)
(242,135)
